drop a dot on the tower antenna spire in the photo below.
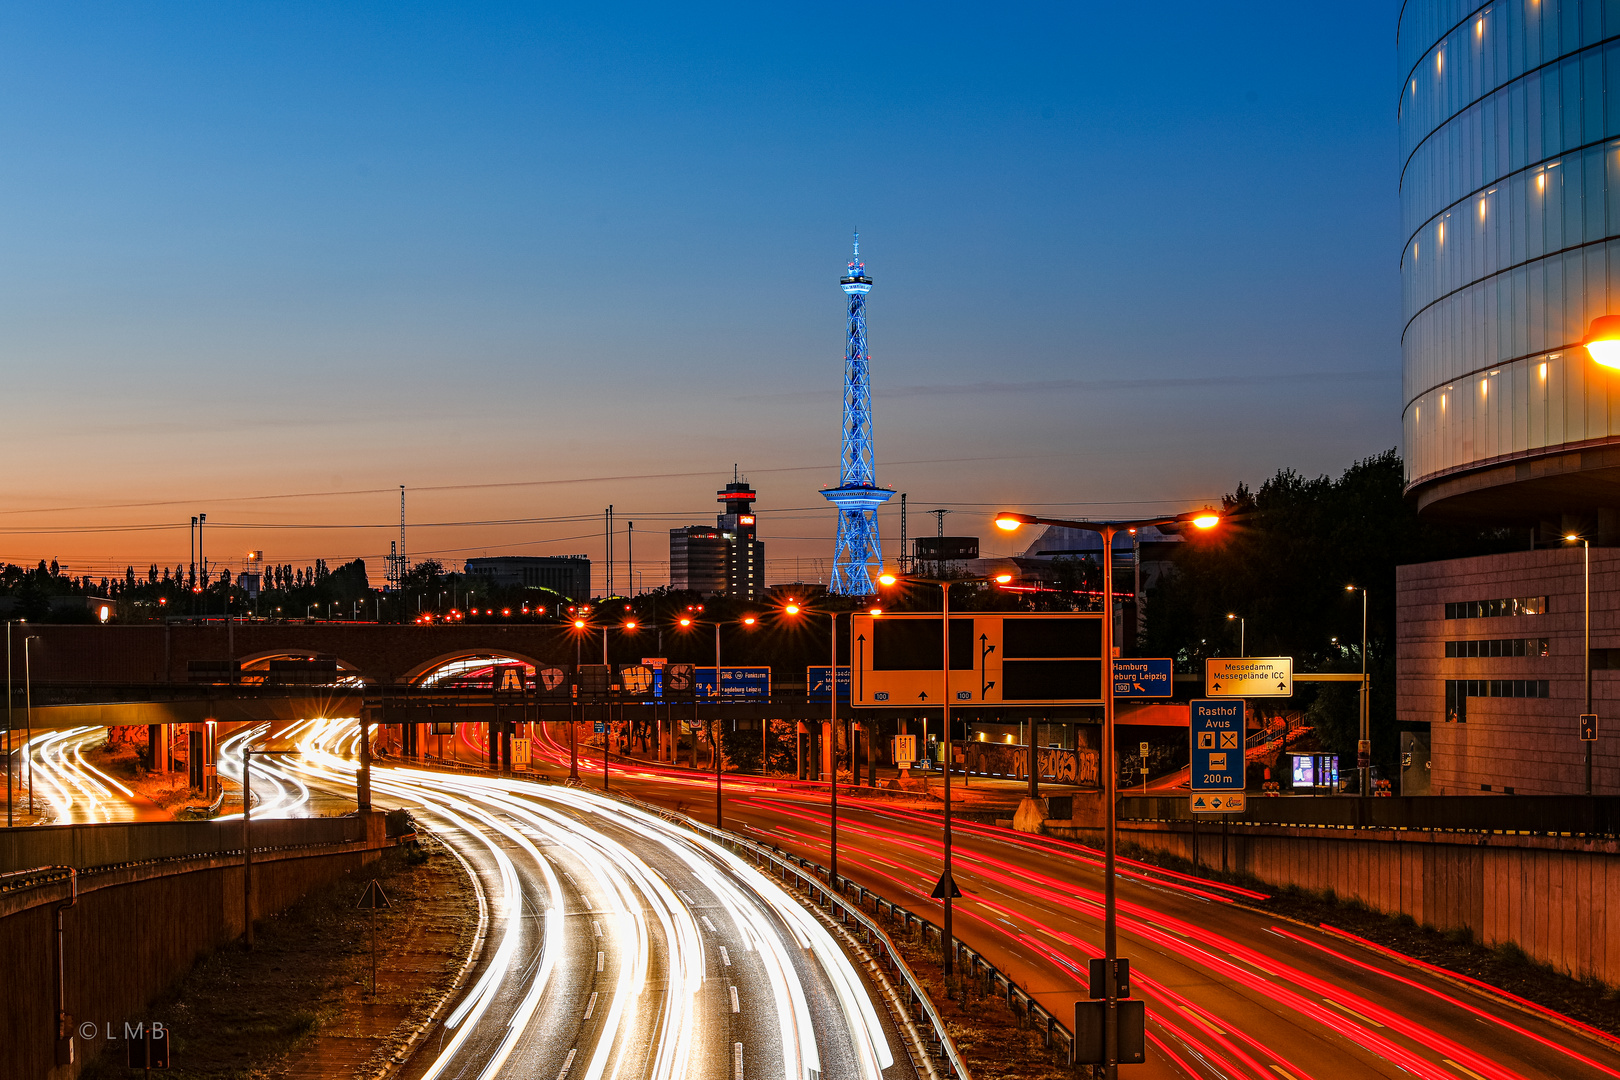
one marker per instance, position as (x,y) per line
(858,553)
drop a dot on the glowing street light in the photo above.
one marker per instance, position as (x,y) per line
(1106,530)
(1603,340)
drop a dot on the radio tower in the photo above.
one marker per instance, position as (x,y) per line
(857,496)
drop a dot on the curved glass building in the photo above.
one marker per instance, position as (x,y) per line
(1510,206)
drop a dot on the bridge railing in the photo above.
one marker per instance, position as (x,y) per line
(1510,815)
(117,844)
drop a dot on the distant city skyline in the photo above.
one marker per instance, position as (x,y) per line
(269,263)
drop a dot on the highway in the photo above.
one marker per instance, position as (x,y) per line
(619,945)
(68,790)
(1231,992)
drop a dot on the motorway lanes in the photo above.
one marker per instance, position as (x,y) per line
(1231,992)
(620,945)
(68,790)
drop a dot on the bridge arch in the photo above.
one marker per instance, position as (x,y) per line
(423,672)
(259,662)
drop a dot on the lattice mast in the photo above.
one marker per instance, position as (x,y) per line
(858,554)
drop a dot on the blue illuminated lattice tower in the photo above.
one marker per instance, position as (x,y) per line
(859,553)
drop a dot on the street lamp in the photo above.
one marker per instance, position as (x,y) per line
(1586,646)
(944,584)
(1364,743)
(1243,647)
(1106,530)
(686,622)
(247,842)
(28,703)
(1603,341)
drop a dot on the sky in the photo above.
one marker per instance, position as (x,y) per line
(270,261)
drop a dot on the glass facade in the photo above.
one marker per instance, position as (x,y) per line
(1509,120)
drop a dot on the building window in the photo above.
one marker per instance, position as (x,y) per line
(1458,650)
(1458,691)
(1496,609)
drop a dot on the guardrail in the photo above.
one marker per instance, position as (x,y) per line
(1508,815)
(980,972)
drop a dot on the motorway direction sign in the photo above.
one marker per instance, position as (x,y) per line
(905,750)
(1011,658)
(1217,731)
(736,683)
(1249,676)
(815,682)
(1143,678)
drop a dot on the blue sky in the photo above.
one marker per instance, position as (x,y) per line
(1125,257)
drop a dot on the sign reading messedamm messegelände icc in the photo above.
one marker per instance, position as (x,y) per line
(1249,676)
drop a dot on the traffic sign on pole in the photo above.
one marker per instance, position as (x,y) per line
(1218,770)
(1143,678)
(1249,676)
(1588,727)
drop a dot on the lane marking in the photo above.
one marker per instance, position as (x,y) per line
(707,923)
(736,1061)
(1358,1016)
(590,1006)
(689,901)
(725,957)
(601,958)
(1465,1070)
(1284,1073)
(1193,1015)
(568,1063)
(596,926)
(735,1007)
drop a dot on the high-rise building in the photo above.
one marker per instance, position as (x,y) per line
(727,559)
(858,552)
(1510,207)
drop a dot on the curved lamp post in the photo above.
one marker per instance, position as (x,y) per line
(1106,530)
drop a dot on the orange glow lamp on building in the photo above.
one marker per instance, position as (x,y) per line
(1603,340)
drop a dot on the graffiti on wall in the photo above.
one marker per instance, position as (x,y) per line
(1061,766)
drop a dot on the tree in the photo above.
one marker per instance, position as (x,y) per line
(1282,560)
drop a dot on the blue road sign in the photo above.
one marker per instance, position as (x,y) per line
(601,727)
(815,682)
(736,683)
(1137,678)
(1217,733)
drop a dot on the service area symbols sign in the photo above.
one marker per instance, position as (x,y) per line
(1249,676)
(1217,731)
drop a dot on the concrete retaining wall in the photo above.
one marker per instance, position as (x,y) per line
(140,925)
(1552,896)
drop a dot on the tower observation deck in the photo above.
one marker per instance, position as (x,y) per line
(858,553)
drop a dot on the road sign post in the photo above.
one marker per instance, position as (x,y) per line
(1218,773)
(1589,724)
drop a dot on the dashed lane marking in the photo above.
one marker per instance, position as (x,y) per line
(597,927)
(735,1006)
(725,957)
(568,1063)
(590,1006)
(707,924)
(601,958)
(1197,1018)
(1284,1073)
(1358,1016)
(683,895)
(1465,1070)
(736,1061)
